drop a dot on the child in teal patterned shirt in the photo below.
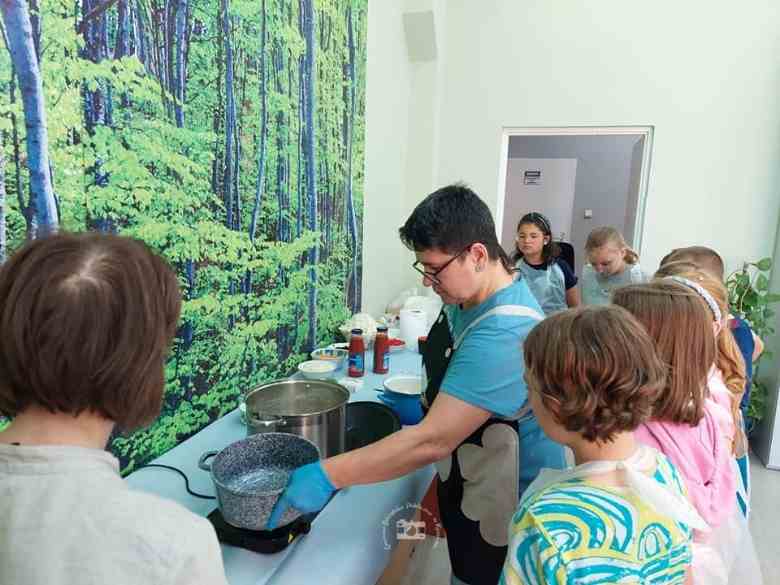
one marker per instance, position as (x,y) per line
(621,515)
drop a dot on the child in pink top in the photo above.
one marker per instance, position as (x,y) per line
(691,423)
(702,457)
(727,377)
(682,427)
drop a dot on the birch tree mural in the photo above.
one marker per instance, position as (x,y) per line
(227,134)
(42,216)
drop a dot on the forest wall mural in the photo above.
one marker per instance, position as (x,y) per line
(228,135)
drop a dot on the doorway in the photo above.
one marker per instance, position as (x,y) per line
(579,177)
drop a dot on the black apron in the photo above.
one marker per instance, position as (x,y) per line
(474,560)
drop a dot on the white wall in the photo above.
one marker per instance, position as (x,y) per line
(402,134)
(553,196)
(711,91)
(704,74)
(766,439)
(387,111)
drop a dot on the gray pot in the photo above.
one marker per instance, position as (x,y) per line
(314,409)
(251,474)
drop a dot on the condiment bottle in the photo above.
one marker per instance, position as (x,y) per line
(381,351)
(357,354)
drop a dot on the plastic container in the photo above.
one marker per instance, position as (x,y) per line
(357,354)
(381,351)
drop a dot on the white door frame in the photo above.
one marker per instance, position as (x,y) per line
(645,131)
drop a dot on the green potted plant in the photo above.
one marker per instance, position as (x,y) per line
(750,299)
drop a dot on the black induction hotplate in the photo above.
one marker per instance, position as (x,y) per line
(259,541)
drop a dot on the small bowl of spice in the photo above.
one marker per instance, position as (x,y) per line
(330,354)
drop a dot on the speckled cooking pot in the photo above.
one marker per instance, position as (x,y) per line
(250,475)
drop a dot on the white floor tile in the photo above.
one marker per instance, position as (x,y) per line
(765,518)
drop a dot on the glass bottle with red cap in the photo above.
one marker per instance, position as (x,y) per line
(381,351)
(357,354)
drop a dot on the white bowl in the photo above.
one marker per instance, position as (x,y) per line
(316,369)
(330,354)
(405,384)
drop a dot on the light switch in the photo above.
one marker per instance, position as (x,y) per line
(588,214)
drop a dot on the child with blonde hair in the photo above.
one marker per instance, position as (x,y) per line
(621,515)
(611,263)
(683,319)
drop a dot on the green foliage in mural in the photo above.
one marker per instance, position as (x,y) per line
(186,123)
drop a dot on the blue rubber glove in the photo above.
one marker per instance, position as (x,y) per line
(308,490)
(407,407)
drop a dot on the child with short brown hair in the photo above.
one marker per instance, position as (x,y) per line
(87,322)
(593,378)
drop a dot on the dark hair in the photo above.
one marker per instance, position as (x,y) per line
(449,220)
(87,320)
(550,250)
(702,257)
(680,323)
(596,370)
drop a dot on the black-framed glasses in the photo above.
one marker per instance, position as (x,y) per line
(434,276)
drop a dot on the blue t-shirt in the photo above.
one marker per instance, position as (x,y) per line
(486,371)
(743,335)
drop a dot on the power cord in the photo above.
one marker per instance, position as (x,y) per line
(184,475)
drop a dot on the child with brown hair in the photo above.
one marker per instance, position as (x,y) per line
(621,514)
(750,345)
(682,318)
(611,263)
(87,321)
(726,382)
(747,342)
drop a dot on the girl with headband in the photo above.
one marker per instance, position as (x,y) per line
(682,319)
(537,260)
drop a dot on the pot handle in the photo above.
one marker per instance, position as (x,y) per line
(202,461)
(268,423)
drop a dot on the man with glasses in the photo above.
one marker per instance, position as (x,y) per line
(477,425)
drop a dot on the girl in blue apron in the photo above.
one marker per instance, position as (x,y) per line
(473,419)
(611,264)
(537,261)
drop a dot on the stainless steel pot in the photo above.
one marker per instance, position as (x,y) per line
(313,409)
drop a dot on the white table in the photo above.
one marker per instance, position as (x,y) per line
(350,540)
